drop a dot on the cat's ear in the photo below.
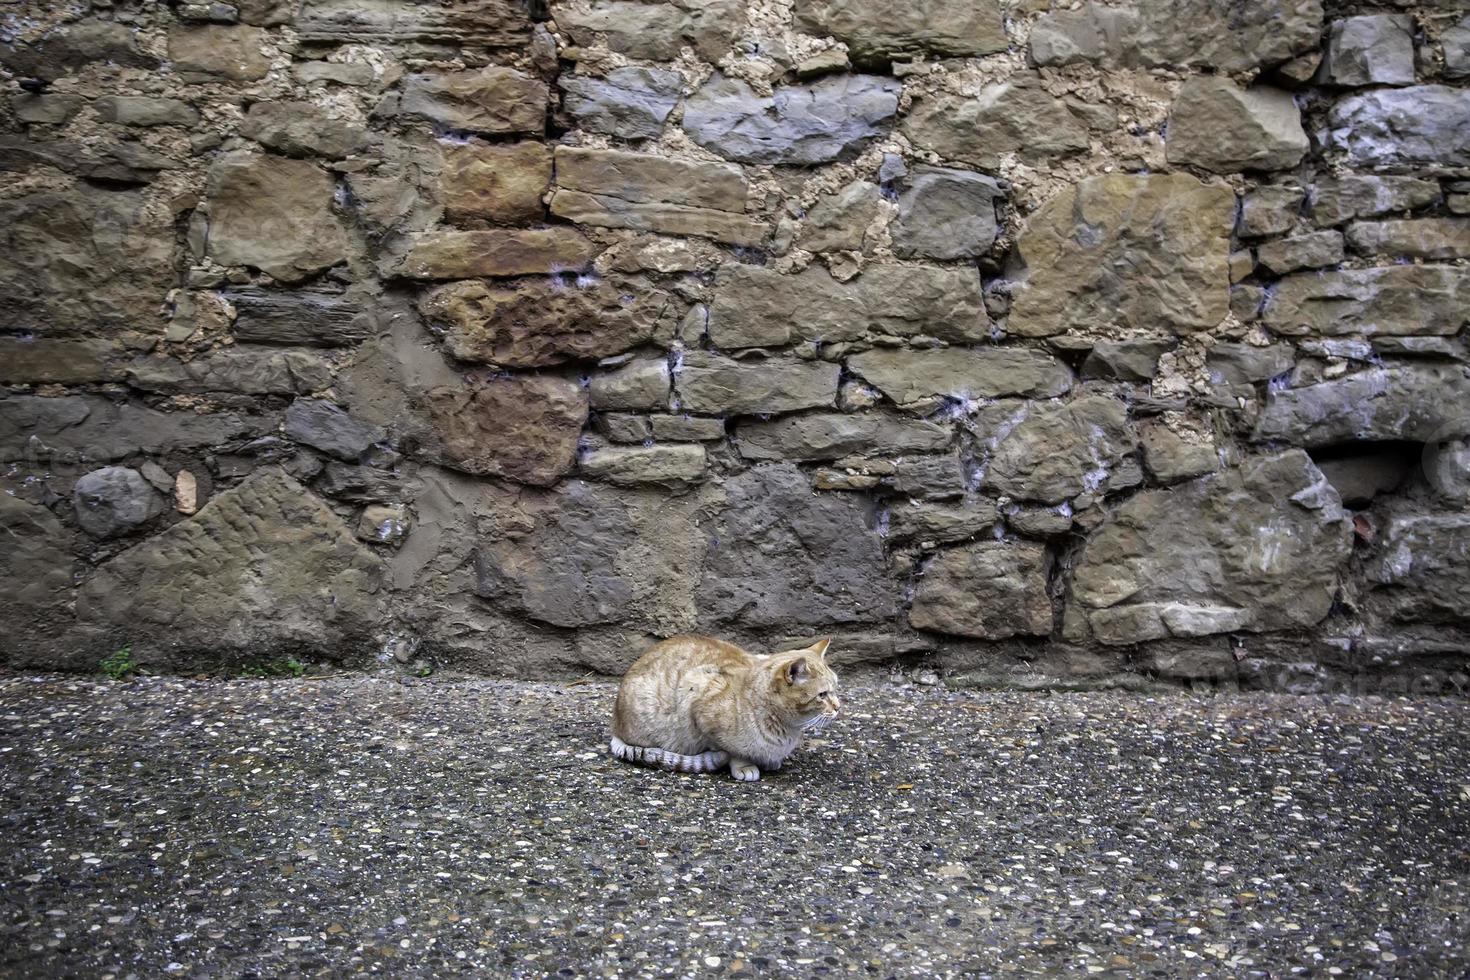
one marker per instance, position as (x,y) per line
(819,648)
(797,671)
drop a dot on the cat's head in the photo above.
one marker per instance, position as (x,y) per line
(804,685)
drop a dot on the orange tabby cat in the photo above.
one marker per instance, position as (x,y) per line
(696,704)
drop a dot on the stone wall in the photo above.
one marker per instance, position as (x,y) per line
(1075,343)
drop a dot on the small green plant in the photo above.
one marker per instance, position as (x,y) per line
(424,670)
(285,667)
(119,664)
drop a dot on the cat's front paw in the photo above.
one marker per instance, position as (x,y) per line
(746,772)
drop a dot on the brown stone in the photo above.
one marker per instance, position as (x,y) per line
(715,385)
(489,100)
(909,377)
(655,31)
(990,590)
(495,182)
(875,30)
(524,428)
(216,51)
(508,252)
(40,360)
(1397,300)
(1014,116)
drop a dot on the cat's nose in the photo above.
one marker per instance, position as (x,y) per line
(835,701)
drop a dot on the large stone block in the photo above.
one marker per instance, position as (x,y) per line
(80,43)
(1419,126)
(219,52)
(1230,37)
(1401,300)
(910,377)
(1420,402)
(455,24)
(672,467)
(1419,238)
(311,317)
(1418,568)
(797,124)
(489,100)
(327,427)
(238,369)
(101,429)
(839,222)
(1375,49)
(1335,200)
(1057,452)
(989,590)
(264,568)
(503,183)
(38,360)
(875,31)
(544,321)
(1259,547)
(36,563)
(758,307)
(1014,116)
(1125,250)
(271,213)
(628,102)
(114,500)
(655,31)
(639,384)
(945,214)
(524,428)
(779,555)
(496,253)
(716,385)
(833,435)
(645,192)
(1216,125)
(302,129)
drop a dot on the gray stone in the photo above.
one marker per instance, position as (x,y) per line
(1456,43)
(138,110)
(358,484)
(839,222)
(928,477)
(945,214)
(325,426)
(1171,458)
(1375,49)
(874,31)
(1057,452)
(1419,402)
(1243,364)
(1218,126)
(716,385)
(1171,33)
(302,129)
(1418,238)
(1418,571)
(933,524)
(453,25)
(1246,302)
(239,369)
(1398,300)
(990,590)
(271,213)
(798,124)
(1126,360)
(1312,250)
(1014,116)
(1039,522)
(1447,468)
(640,384)
(37,564)
(686,428)
(656,32)
(1361,477)
(47,109)
(83,42)
(214,53)
(820,436)
(496,252)
(1270,209)
(487,100)
(103,430)
(38,360)
(619,427)
(911,377)
(1420,126)
(1132,251)
(353,73)
(670,467)
(779,555)
(311,317)
(1259,547)
(522,427)
(756,307)
(264,566)
(628,102)
(115,500)
(1333,201)
(646,192)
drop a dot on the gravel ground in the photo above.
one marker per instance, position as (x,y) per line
(279,828)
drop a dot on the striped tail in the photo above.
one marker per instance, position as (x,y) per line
(652,755)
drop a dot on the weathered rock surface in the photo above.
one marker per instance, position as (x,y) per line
(716,385)
(1397,300)
(1421,238)
(104,430)
(839,222)
(779,555)
(311,317)
(645,192)
(1056,452)
(246,370)
(1219,126)
(1168,33)
(909,377)
(924,522)
(1421,402)
(37,360)
(490,100)
(990,590)
(874,31)
(542,322)
(1126,360)
(1333,201)
(757,307)
(1270,209)
(37,563)
(1016,116)
(496,253)
(138,110)
(656,31)
(218,52)
(1134,251)
(628,102)
(671,467)
(1417,568)
(455,24)
(1259,547)
(834,435)
(114,500)
(84,42)
(1374,49)
(502,183)
(639,384)
(945,214)
(325,426)
(1171,458)
(1420,126)
(262,566)
(271,213)
(524,427)
(301,129)
(798,124)
(1313,250)
(1247,364)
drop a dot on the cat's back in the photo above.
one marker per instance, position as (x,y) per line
(656,697)
(685,654)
